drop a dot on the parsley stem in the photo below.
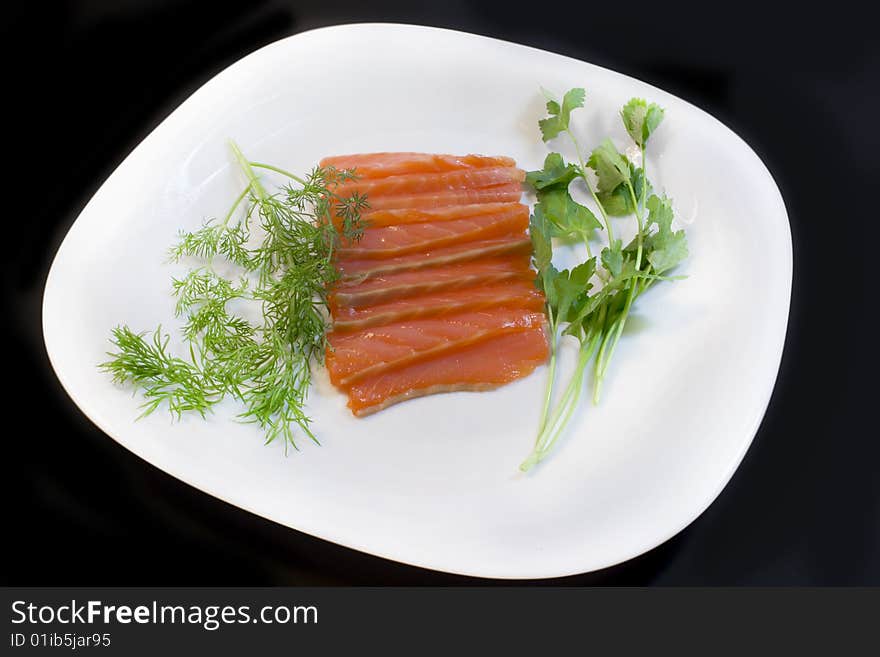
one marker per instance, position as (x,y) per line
(644,171)
(583,167)
(598,374)
(551,374)
(565,408)
(602,360)
(586,238)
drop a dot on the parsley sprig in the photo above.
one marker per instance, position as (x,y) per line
(282,245)
(593,300)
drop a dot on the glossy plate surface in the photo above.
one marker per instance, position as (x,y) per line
(434,482)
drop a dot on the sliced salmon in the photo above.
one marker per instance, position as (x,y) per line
(363,267)
(380,165)
(398,216)
(354,356)
(423,183)
(499,194)
(386,287)
(393,241)
(438,293)
(483,365)
(511,294)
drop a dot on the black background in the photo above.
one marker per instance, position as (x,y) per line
(85,81)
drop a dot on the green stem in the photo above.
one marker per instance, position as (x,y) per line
(603,361)
(598,374)
(235,205)
(551,374)
(644,171)
(253,182)
(539,451)
(603,332)
(562,414)
(586,239)
(573,393)
(270,167)
(632,195)
(565,400)
(577,149)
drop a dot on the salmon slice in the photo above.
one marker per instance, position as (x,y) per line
(361,268)
(354,356)
(512,294)
(423,183)
(398,216)
(395,241)
(483,365)
(380,165)
(508,193)
(447,277)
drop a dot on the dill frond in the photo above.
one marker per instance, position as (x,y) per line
(162,377)
(266,367)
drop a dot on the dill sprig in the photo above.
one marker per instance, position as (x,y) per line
(287,270)
(180,384)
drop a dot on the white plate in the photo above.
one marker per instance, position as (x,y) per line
(434,482)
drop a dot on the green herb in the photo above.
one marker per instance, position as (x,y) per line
(283,245)
(560,114)
(593,300)
(640,120)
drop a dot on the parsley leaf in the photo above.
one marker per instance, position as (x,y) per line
(618,202)
(567,217)
(660,213)
(540,233)
(641,119)
(668,251)
(555,172)
(559,115)
(611,167)
(572,285)
(596,317)
(612,258)
(666,248)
